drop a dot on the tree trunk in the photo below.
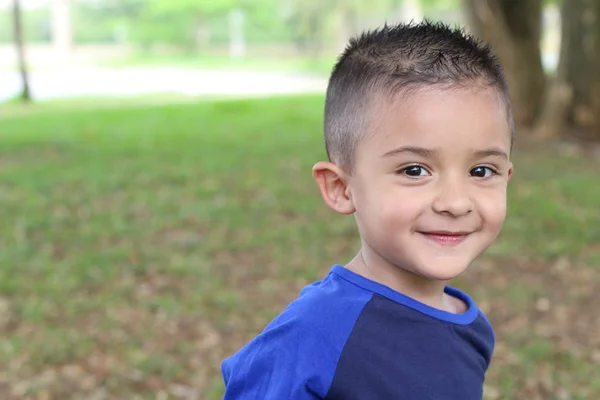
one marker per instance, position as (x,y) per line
(513,29)
(20,47)
(579,63)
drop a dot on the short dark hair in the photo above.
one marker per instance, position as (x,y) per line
(396,59)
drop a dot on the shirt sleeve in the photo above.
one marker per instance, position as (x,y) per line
(281,363)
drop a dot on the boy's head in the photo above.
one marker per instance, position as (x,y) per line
(396,61)
(418,130)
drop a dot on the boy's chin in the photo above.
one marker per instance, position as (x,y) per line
(443,270)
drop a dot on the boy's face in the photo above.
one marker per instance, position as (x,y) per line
(429,184)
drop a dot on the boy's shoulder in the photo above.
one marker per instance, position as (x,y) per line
(301,344)
(324,311)
(325,302)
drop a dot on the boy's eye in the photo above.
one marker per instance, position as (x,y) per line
(414,170)
(483,172)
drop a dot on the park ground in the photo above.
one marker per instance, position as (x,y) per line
(142,244)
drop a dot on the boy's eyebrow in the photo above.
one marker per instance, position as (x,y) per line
(420,151)
(494,151)
(431,153)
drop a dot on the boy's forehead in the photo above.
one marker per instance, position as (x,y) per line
(431,117)
(426,98)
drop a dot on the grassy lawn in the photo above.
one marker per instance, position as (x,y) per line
(141,245)
(322,65)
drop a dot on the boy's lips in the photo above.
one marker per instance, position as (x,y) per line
(446,238)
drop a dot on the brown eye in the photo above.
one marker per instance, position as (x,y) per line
(414,171)
(483,172)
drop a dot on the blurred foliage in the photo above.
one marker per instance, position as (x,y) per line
(194,24)
(191,24)
(36,26)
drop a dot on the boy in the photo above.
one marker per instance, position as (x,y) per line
(418,130)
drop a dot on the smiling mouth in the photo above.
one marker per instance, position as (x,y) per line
(445,238)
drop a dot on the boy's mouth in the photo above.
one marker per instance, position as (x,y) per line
(446,238)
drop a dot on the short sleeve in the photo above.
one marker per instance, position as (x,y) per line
(283,362)
(296,356)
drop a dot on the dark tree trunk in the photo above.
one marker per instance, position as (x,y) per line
(20,47)
(513,30)
(579,64)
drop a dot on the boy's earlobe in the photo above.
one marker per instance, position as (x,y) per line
(332,184)
(510,171)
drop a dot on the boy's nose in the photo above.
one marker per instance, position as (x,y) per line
(453,199)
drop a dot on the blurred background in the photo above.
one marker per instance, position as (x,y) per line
(157,207)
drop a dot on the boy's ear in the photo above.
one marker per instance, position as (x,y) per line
(332,181)
(510,171)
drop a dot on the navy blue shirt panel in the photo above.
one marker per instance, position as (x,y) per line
(396,353)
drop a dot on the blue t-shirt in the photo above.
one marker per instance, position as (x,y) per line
(347,337)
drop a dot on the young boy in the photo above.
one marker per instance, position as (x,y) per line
(418,129)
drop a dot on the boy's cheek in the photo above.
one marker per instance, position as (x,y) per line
(495,212)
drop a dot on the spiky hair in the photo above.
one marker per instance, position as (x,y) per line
(382,63)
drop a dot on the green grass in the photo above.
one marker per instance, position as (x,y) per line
(140,245)
(321,65)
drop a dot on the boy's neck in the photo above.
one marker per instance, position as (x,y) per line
(427,291)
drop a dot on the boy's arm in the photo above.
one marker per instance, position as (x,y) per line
(268,374)
(281,363)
